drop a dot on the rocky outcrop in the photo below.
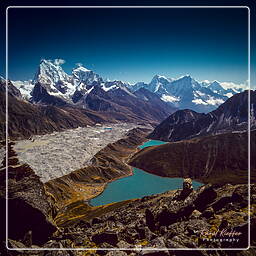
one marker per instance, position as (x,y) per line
(230,116)
(208,159)
(30,210)
(41,95)
(187,188)
(166,221)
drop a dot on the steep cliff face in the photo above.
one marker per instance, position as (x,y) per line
(30,210)
(218,159)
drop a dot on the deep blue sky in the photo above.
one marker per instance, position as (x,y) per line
(132,44)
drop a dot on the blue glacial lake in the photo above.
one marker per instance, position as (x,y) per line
(138,185)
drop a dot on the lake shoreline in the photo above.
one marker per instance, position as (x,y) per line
(140,174)
(121,177)
(108,164)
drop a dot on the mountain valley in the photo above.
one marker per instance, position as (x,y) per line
(70,136)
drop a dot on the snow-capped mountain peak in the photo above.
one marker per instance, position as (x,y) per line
(25,88)
(84,79)
(216,87)
(160,78)
(54,79)
(50,71)
(183,92)
(158,83)
(82,68)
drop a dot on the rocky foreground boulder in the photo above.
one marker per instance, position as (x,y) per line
(204,218)
(30,211)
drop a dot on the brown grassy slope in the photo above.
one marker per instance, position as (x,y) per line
(217,159)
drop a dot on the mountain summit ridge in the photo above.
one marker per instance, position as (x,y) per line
(231,116)
(183,92)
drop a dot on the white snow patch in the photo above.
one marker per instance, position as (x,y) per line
(199,101)
(157,86)
(231,85)
(160,76)
(90,90)
(229,94)
(214,101)
(169,98)
(81,68)
(25,88)
(199,93)
(106,89)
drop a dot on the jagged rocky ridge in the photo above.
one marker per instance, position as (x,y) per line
(87,90)
(26,119)
(231,116)
(52,85)
(186,92)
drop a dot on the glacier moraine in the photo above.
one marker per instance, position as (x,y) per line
(57,154)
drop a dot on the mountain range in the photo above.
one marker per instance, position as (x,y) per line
(85,88)
(26,118)
(202,145)
(231,116)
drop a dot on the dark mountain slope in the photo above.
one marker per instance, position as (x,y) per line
(170,127)
(218,159)
(30,210)
(26,119)
(41,95)
(122,100)
(230,116)
(155,100)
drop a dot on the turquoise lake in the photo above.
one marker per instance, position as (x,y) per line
(138,185)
